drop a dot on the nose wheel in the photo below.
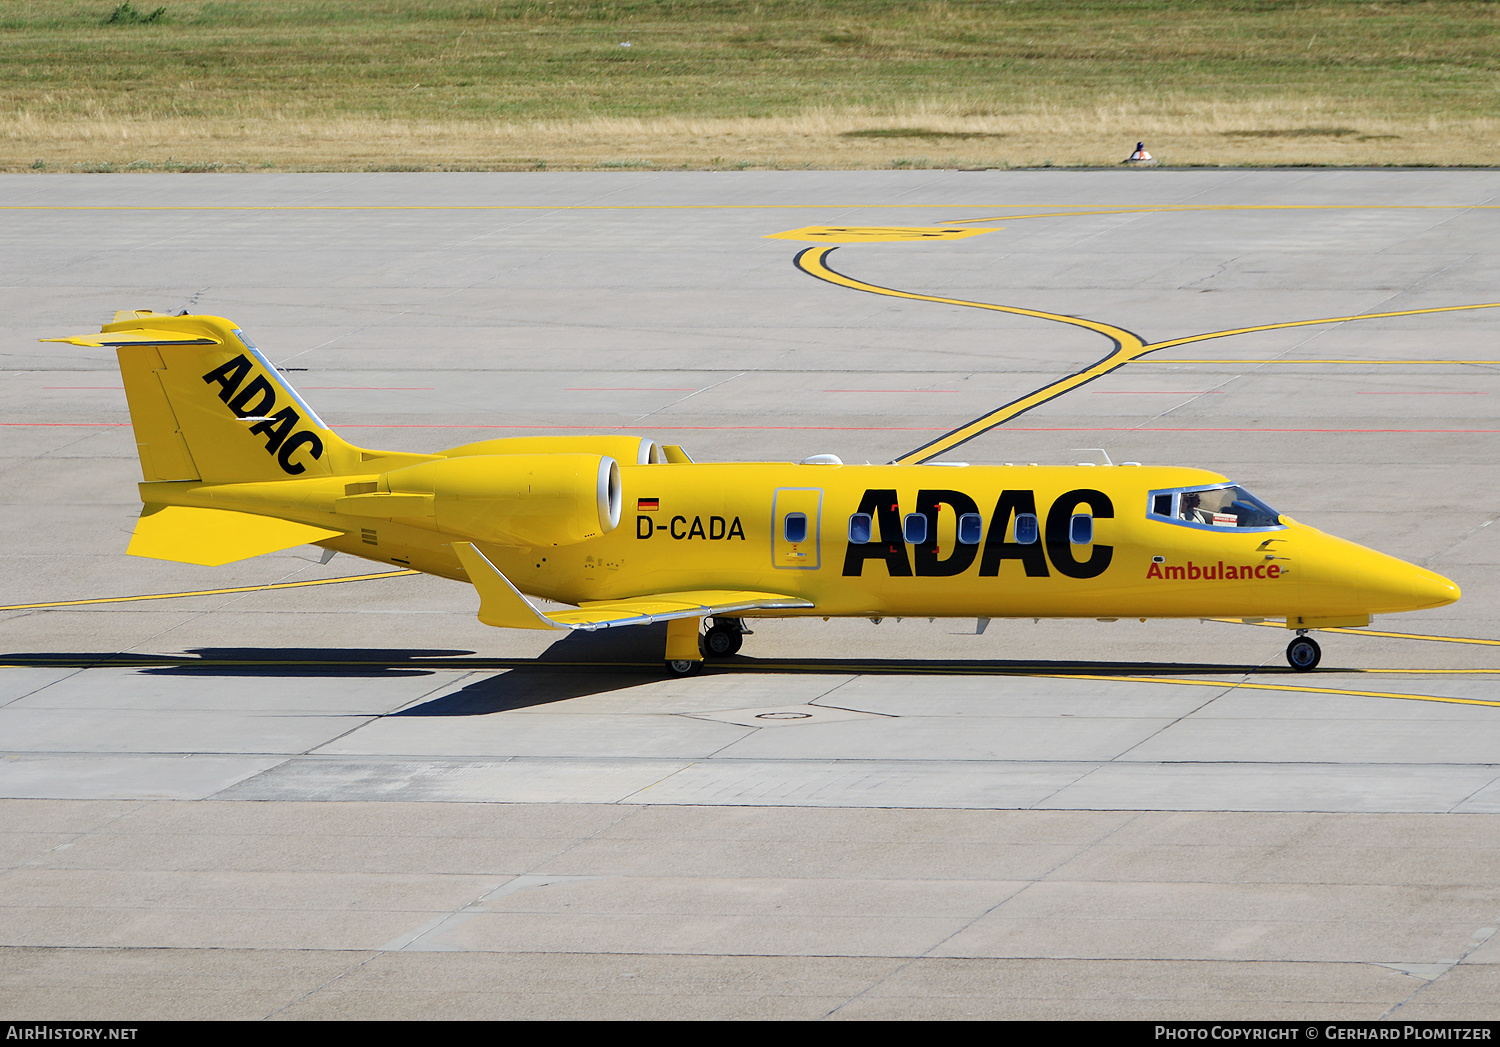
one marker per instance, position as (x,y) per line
(1303,654)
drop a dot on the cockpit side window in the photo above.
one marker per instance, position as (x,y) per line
(1226,506)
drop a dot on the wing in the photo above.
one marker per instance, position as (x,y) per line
(501,603)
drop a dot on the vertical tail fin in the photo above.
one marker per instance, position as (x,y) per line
(207,405)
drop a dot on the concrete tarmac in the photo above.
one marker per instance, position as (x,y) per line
(353,800)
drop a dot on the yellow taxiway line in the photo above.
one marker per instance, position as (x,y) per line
(1144,209)
(208,592)
(1252,685)
(1285,360)
(1376,632)
(468,665)
(1185,208)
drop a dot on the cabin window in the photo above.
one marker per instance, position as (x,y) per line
(1027,531)
(970,528)
(914,528)
(1226,506)
(859,529)
(795,527)
(1081,529)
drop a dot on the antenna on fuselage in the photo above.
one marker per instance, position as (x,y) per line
(1102,452)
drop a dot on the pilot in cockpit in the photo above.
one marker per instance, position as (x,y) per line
(1191,509)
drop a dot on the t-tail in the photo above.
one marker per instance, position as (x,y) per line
(216,425)
(207,405)
(236,464)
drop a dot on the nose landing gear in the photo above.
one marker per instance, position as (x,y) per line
(1303,653)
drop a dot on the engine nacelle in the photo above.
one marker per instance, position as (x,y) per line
(635,450)
(517,499)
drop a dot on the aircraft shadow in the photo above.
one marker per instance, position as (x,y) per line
(251,661)
(578,665)
(528,688)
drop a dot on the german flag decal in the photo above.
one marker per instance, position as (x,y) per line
(647,505)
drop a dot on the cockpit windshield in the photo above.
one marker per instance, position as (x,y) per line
(1219,505)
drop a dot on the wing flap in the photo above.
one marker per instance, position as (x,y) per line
(642,610)
(211,537)
(501,603)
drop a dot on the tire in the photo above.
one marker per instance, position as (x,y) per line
(721,643)
(1303,654)
(682,668)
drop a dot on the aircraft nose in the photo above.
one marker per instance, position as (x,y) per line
(1430,589)
(1405,587)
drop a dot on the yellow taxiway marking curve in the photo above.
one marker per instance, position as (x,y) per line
(1128,346)
(208,592)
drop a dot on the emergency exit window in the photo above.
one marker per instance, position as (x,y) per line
(795,527)
(914,528)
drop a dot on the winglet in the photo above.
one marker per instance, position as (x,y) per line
(500,603)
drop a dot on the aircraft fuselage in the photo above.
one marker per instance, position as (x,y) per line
(691,526)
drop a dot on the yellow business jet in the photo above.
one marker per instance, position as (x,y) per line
(237,464)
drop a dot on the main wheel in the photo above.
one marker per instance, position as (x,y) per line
(683,667)
(1303,654)
(722,640)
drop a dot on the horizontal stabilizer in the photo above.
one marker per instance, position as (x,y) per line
(118,338)
(501,603)
(215,536)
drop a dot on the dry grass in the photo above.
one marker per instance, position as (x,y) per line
(426,84)
(1252,134)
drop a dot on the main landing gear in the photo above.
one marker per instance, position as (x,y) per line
(686,649)
(724,637)
(1303,653)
